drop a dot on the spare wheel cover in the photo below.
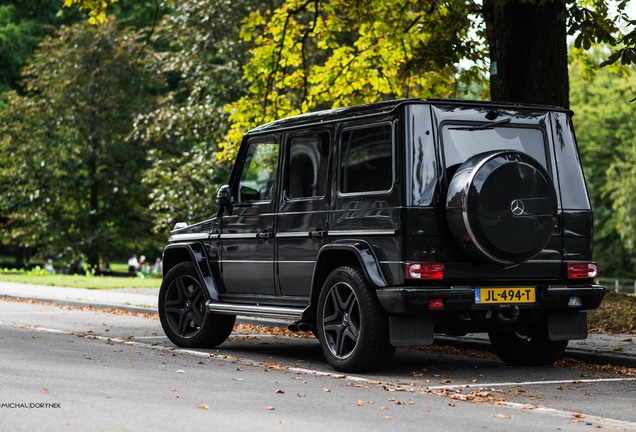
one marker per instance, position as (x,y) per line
(501,207)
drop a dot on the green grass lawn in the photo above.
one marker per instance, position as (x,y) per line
(76,281)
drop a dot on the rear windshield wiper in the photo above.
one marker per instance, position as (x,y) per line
(483,126)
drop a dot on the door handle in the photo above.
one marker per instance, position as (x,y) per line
(265,234)
(318,233)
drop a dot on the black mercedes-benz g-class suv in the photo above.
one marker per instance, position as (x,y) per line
(378,226)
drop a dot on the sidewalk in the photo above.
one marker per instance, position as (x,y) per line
(618,349)
(133,300)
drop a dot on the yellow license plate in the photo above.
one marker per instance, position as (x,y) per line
(505,295)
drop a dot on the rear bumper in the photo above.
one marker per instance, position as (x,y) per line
(409,300)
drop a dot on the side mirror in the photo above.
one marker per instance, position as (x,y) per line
(224,196)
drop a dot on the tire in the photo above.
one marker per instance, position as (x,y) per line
(182,311)
(501,207)
(352,327)
(532,348)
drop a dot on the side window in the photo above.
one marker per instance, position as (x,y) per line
(258,175)
(308,164)
(366,159)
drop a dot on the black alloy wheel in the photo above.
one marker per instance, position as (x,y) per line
(341,320)
(183,314)
(352,326)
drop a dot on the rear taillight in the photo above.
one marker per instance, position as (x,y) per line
(428,271)
(582,270)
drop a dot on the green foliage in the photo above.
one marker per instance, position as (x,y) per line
(313,54)
(605,122)
(591,24)
(203,63)
(320,54)
(23,25)
(17,41)
(70,179)
(96,9)
(625,53)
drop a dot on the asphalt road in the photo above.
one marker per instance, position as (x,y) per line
(74,370)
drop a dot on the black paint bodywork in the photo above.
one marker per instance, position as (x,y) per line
(274,256)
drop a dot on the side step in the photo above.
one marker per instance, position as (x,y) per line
(255,310)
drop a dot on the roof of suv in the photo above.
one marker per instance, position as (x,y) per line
(386,107)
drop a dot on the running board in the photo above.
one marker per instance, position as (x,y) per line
(255,310)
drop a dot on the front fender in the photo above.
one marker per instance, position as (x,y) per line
(175,253)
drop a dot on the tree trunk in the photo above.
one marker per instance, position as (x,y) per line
(528,51)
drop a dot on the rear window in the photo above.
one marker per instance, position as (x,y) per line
(460,142)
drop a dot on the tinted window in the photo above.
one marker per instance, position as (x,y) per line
(366,160)
(258,175)
(308,163)
(460,144)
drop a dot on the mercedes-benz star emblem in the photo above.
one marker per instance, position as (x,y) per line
(517,208)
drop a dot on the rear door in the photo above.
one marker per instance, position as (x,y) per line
(303,210)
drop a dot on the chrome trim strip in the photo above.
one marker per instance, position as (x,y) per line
(299,234)
(292,234)
(188,237)
(254,310)
(229,261)
(360,232)
(238,236)
(226,261)
(295,262)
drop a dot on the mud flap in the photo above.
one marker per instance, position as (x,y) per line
(567,326)
(408,330)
